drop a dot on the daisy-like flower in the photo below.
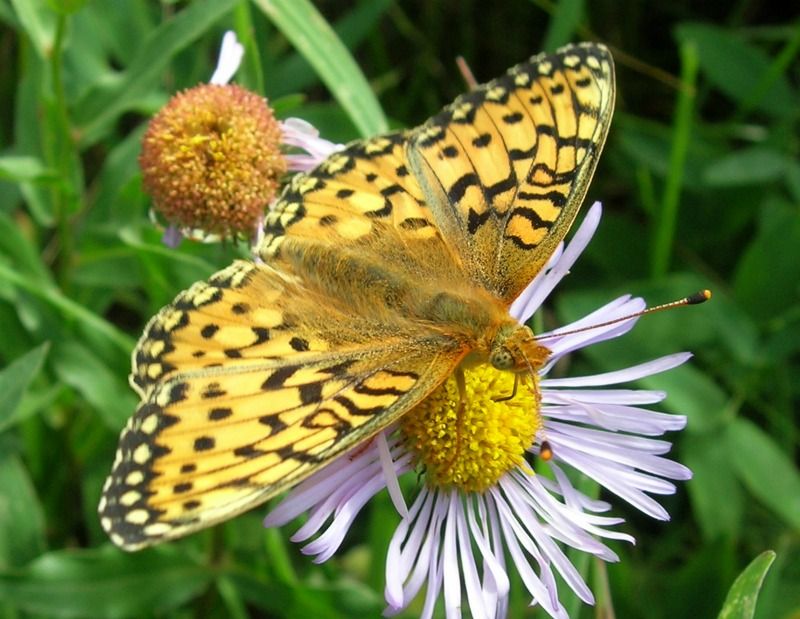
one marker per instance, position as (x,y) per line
(214,157)
(482,510)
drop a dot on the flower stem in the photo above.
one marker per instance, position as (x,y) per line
(251,70)
(666,218)
(61,154)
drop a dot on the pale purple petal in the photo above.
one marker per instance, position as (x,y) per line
(390,475)
(536,537)
(231,53)
(542,285)
(397,570)
(329,541)
(489,513)
(535,584)
(301,134)
(603,396)
(452,579)
(472,584)
(172,236)
(420,561)
(636,372)
(566,339)
(495,578)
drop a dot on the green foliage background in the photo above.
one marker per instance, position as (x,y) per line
(701,186)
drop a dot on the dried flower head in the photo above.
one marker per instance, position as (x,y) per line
(211,159)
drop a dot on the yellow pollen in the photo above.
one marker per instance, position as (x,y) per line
(471,444)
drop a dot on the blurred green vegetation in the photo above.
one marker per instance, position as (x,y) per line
(701,186)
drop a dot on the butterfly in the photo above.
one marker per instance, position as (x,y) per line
(379,274)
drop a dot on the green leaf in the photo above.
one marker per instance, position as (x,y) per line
(23,253)
(104,583)
(717,496)
(21,518)
(765,470)
(66,7)
(314,38)
(741,600)
(749,166)
(102,105)
(648,143)
(78,367)
(793,180)
(566,18)
(39,22)
(14,381)
(25,169)
(119,193)
(93,323)
(733,66)
(293,74)
(766,277)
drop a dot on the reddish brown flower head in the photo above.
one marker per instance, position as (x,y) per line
(211,159)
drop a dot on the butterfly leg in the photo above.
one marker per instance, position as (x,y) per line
(461,384)
(506,398)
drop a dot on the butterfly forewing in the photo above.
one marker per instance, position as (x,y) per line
(505,167)
(382,269)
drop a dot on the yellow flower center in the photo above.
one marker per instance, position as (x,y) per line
(470,441)
(211,159)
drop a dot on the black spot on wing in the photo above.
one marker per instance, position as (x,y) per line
(204,443)
(220,413)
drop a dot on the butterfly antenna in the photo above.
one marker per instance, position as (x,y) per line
(694,299)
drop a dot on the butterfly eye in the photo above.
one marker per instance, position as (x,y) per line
(501,358)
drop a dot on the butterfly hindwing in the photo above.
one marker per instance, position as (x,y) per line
(270,399)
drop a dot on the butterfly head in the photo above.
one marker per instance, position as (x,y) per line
(515,349)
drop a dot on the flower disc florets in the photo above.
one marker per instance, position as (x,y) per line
(211,159)
(469,441)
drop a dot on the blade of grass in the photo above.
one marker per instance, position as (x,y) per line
(100,106)
(39,22)
(778,67)
(251,73)
(743,595)
(666,218)
(15,379)
(565,17)
(234,604)
(70,309)
(314,38)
